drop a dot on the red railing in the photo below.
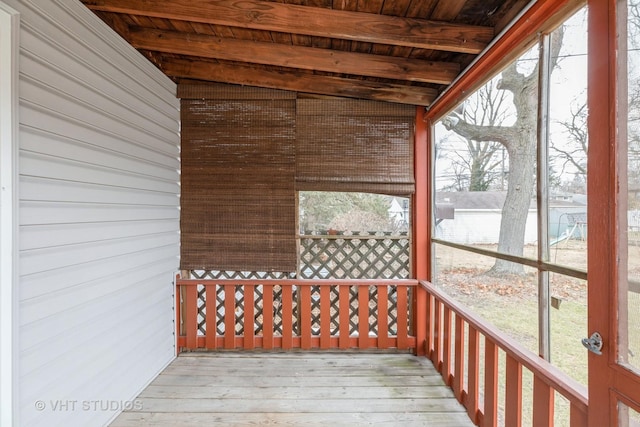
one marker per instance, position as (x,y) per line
(453,344)
(290,313)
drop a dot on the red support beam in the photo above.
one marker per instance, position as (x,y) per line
(421,204)
(421,211)
(602,187)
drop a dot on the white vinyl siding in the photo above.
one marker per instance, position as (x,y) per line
(98,217)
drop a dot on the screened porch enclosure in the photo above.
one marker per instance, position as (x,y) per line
(250,277)
(252,281)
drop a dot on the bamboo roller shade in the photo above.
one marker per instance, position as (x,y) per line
(238,210)
(245,152)
(354,145)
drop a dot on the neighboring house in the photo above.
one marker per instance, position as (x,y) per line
(399,210)
(473,217)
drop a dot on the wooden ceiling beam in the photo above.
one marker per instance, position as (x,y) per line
(311,21)
(302,57)
(297,81)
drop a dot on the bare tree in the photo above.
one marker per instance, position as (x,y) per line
(519,139)
(571,153)
(479,165)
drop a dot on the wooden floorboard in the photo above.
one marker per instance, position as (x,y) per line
(296,389)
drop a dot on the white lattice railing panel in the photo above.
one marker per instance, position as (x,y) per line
(355,255)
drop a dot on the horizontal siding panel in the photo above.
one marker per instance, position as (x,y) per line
(89,319)
(51,122)
(48,236)
(37,165)
(55,190)
(99,359)
(40,165)
(40,58)
(70,87)
(37,285)
(40,260)
(78,151)
(48,99)
(42,213)
(142,352)
(112,379)
(87,40)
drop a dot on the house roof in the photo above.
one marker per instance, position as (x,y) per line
(405,51)
(494,200)
(472,199)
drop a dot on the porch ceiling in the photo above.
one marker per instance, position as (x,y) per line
(404,51)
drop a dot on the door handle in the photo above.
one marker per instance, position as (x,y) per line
(593,343)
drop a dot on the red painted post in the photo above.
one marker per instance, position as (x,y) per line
(491,384)
(473,374)
(211,317)
(267,316)
(325,317)
(248,317)
(403,311)
(383,317)
(305,317)
(577,417)
(446,346)
(513,393)
(287,317)
(421,321)
(436,356)
(429,327)
(543,403)
(344,315)
(363,316)
(191,316)
(458,373)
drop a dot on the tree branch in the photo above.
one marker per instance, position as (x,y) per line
(501,134)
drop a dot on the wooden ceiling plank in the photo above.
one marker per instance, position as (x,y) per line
(302,57)
(447,10)
(370,6)
(345,5)
(509,13)
(395,7)
(163,24)
(321,42)
(312,21)
(299,82)
(421,9)
(115,21)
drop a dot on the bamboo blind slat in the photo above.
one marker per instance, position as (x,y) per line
(354,145)
(238,165)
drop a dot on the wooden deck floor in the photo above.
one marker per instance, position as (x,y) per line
(296,389)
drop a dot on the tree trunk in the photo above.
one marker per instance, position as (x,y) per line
(516,204)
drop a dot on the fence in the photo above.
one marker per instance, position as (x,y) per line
(292,313)
(453,343)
